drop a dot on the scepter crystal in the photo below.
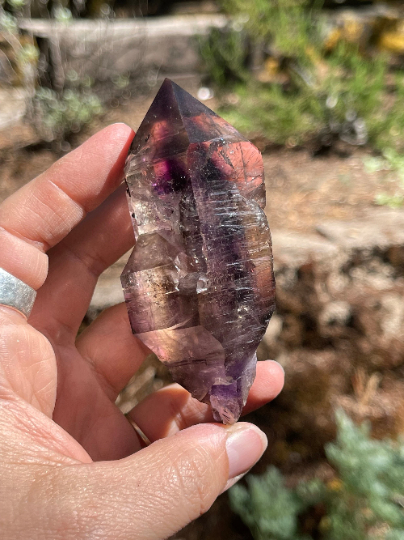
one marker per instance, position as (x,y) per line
(199,284)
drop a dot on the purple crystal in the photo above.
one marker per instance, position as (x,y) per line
(199,284)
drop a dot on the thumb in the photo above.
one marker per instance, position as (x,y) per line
(163,487)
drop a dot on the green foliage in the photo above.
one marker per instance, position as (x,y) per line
(58,115)
(28,54)
(223,52)
(339,92)
(285,23)
(392,201)
(364,501)
(16,5)
(20,50)
(8,23)
(54,114)
(372,474)
(390,120)
(393,162)
(357,84)
(281,116)
(267,521)
(62,14)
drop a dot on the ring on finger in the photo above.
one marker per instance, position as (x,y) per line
(16,294)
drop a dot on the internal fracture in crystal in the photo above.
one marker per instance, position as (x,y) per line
(199,284)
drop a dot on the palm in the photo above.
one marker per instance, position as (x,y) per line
(85,409)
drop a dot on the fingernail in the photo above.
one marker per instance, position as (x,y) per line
(280,365)
(230,483)
(245,445)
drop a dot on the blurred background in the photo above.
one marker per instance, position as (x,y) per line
(318,86)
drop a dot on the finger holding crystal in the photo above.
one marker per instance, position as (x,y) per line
(115,365)
(172,408)
(46,209)
(76,262)
(22,259)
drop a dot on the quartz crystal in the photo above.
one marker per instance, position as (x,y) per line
(199,284)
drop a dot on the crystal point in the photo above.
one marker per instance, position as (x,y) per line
(199,284)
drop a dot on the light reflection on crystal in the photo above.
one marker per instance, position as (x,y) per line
(199,283)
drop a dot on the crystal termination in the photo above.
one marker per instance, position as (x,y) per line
(199,284)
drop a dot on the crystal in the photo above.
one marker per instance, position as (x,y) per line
(199,284)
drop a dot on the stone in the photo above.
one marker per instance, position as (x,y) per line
(379,228)
(199,284)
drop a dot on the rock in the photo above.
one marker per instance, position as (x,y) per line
(336,313)
(294,250)
(382,228)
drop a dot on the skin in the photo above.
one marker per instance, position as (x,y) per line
(71,465)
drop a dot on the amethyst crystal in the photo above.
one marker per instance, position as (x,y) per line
(199,284)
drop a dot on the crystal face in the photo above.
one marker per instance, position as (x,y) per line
(199,284)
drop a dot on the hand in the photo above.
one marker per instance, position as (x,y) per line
(71,465)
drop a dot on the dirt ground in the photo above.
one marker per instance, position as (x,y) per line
(302,190)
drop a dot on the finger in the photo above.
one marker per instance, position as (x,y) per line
(23,260)
(157,491)
(46,209)
(172,408)
(87,414)
(114,365)
(76,263)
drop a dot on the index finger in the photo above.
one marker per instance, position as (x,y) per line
(46,209)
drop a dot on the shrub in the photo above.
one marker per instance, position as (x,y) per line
(286,24)
(363,502)
(57,115)
(311,90)
(224,54)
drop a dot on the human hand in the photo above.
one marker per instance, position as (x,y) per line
(71,465)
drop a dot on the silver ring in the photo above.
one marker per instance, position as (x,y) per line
(16,294)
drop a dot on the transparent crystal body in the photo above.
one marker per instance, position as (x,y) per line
(199,284)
